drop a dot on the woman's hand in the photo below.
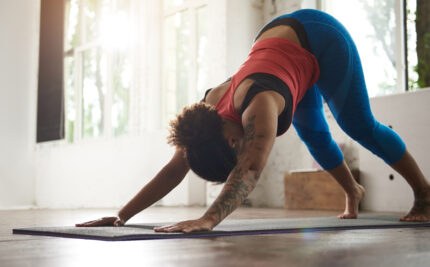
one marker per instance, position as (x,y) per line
(105,221)
(201,224)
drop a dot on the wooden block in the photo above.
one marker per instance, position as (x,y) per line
(316,190)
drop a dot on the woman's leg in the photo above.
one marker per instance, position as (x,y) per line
(343,87)
(354,192)
(310,124)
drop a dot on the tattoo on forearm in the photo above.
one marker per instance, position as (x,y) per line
(236,188)
(234,193)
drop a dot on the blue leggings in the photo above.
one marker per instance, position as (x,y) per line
(342,86)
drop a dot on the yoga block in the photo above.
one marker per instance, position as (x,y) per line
(316,190)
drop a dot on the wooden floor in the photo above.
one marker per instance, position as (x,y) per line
(389,247)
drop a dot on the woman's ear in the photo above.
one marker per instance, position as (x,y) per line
(233,141)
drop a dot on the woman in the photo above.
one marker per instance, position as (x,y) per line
(297,59)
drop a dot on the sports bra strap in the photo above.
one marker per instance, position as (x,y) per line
(266,82)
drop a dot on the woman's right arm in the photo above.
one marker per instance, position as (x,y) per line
(164,182)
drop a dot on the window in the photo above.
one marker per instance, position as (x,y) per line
(372,25)
(184,54)
(378,29)
(97,68)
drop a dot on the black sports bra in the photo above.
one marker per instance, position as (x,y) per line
(265,82)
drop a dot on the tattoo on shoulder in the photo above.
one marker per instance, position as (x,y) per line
(249,133)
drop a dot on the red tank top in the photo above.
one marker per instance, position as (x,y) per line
(294,65)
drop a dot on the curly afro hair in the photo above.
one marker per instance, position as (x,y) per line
(198,131)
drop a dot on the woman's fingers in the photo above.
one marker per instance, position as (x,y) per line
(105,221)
(85,223)
(118,222)
(185,227)
(162,229)
(168,228)
(98,222)
(90,223)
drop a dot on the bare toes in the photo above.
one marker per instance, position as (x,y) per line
(347,216)
(414,218)
(404,219)
(420,218)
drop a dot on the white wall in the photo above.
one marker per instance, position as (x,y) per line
(19,25)
(273,9)
(99,173)
(244,19)
(408,113)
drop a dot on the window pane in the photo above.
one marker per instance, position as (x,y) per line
(116,26)
(93,90)
(71,23)
(168,4)
(71,42)
(202,51)
(372,26)
(70,96)
(412,45)
(92,13)
(176,61)
(122,74)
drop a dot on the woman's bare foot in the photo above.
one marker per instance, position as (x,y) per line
(352,202)
(408,168)
(420,211)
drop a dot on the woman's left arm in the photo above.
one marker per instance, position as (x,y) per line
(260,126)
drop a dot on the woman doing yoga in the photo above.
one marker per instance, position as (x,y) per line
(297,60)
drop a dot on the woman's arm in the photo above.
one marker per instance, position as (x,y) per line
(260,126)
(167,179)
(164,182)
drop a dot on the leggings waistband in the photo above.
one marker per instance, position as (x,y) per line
(293,23)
